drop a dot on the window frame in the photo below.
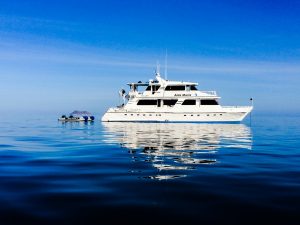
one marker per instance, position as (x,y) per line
(145,100)
(177,88)
(187,100)
(176,100)
(214,101)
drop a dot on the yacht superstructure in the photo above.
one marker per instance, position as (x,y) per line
(172,101)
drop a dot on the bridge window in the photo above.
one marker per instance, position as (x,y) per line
(175,88)
(191,88)
(154,88)
(189,102)
(147,102)
(170,102)
(209,102)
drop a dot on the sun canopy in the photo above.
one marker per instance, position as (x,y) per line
(80,113)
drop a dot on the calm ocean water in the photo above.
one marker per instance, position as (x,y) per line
(147,173)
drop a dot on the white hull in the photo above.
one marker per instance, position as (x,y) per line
(226,114)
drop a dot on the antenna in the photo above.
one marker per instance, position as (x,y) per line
(157,68)
(251,99)
(166,65)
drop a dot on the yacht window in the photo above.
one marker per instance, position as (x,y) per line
(209,102)
(170,102)
(193,88)
(189,102)
(147,102)
(175,88)
(154,88)
(158,103)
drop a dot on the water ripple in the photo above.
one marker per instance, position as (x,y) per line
(79,173)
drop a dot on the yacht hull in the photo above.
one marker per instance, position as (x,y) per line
(234,114)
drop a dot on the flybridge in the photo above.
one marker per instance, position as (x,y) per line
(160,80)
(140,83)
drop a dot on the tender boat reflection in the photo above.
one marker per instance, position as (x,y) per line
(176,147)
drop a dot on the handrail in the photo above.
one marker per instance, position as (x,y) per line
(234,106)
(209,92)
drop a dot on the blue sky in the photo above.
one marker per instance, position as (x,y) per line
(63,55)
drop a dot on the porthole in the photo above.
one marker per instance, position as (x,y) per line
(184,115)
(144,114)
(214,114)
(137,114)
(150,114)
(131,114)
(125,114)
(192,115)
(221,114)
(198,115)
(207,115)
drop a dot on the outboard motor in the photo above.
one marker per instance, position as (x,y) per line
(86,118)
(92,118)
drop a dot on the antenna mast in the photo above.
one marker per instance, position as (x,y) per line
(166,65)
(157,69)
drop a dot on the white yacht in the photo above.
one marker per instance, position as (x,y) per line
(172,101)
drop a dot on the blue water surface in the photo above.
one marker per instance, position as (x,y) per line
(150,173)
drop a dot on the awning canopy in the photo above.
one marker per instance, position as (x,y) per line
(80,113)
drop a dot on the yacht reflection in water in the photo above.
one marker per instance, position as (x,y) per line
(175,148)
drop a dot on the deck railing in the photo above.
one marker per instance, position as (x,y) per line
(209,92)
(234,106)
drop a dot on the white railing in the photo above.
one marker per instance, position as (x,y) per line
(234,106)
(209,92)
